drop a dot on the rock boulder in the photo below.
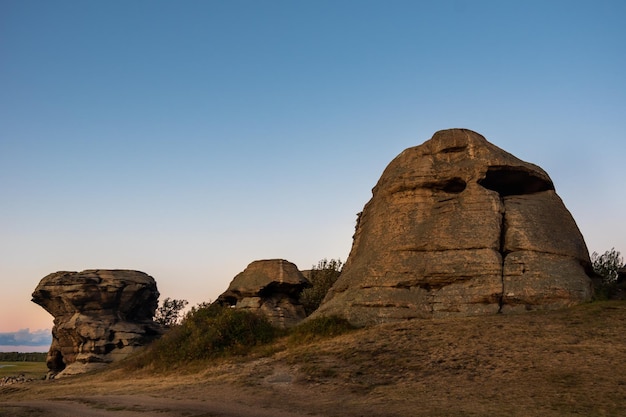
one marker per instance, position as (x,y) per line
(271,288)
(457,226)
(100,316)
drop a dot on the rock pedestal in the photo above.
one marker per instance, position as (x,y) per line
(100,316)
(271,288)
(457,226)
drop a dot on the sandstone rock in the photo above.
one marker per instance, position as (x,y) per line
(269,287)
(100,316)
(457,226)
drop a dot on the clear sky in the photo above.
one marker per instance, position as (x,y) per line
(187,139)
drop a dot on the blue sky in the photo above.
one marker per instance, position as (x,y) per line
(187,139)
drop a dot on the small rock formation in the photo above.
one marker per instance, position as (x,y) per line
(269,287)
(457,226)
(17,379)
(100,316)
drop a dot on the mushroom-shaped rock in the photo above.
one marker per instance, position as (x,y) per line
(270,287)
(458,226)
(100,316)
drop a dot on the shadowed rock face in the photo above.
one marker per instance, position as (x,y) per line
(457,226)
(100,316)
(270,287)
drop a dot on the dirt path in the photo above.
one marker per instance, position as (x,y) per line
(136,406)
(275,395)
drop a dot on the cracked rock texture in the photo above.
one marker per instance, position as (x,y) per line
(458,226)
(100,316)
(270,287)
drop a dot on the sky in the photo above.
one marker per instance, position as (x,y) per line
(187,139)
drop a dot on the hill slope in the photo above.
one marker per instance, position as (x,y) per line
(560,363)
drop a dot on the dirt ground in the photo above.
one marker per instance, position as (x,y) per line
(562,363)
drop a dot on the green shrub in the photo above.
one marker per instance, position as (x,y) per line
(208,331)
(606,266)
(168,313)
(320,327)
(322,277)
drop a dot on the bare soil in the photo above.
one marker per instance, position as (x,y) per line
(562,363)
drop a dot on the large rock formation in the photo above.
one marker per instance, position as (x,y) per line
(457,226)
(100,316)
(269,287)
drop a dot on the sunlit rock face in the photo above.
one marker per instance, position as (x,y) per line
(270,287)
(457,226)
(100,316)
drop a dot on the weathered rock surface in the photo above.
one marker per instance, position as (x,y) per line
(100,316)
(457,226)
(269,287)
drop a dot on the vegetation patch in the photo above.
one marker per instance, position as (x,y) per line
(211,331)
(23,357)
(208,331)
(319,328)
(321,277)
(608,284)
(33,370)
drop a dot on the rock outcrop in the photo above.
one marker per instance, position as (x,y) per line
(271,288)
(457,226)
(100,316)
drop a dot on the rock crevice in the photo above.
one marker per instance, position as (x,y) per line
(503,253)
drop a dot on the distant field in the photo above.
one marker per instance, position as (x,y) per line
(35,370)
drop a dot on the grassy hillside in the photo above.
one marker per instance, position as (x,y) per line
(561,363)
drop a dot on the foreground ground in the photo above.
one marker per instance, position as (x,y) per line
(563,363)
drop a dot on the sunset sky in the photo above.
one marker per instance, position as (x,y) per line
(187,139)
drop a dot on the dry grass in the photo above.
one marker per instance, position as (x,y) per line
(561,363)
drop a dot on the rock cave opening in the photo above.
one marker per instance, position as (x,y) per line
(507,180)
(454,185)
(55,362)
(229,301)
